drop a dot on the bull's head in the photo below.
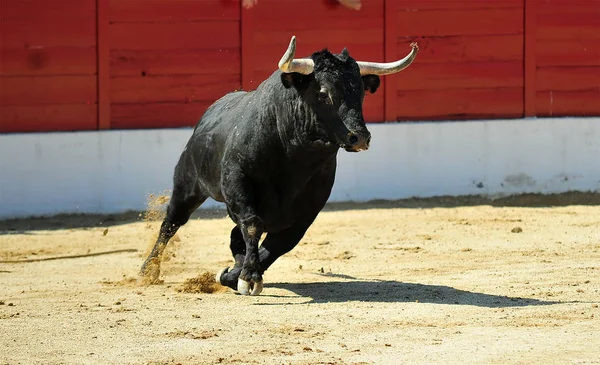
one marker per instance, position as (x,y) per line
(334,85)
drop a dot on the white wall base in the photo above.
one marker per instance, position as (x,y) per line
(114,171)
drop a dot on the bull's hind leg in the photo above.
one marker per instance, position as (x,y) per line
(184,201)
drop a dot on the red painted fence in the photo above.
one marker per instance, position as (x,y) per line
(48,65)
(563,58)
(122,64)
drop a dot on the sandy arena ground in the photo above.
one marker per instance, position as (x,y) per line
(437,281)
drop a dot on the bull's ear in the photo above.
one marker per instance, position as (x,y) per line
(371,83)
(294,79)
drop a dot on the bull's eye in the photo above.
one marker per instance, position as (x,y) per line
(323,97)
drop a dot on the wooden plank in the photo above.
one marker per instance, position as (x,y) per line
(463,48)
(103,84)
(569,32)
(157,115)
(321,24)
(48,90)
(168,36)
(173,88)
(565,23)
(78,33)
(459,104)
(173,10)
(567,6)
(460,22)
(44,10)
(309,41)
(568,103)
(530,62)
(53,23)
(292,15)
(471,75)
(270,54)
(390,88)
(61,60)
(572,52)
(248,49)
(412,5)
(568,78)
(48,118)
(181,61)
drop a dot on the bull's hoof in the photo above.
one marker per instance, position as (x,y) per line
(228,277)
(150,272)
(249,288)
(219,276)
(231,279)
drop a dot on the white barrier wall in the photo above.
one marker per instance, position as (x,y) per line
(114,171)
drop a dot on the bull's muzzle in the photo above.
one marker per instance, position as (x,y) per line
(357,142)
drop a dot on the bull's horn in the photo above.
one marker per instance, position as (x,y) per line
(288,64)
(375,68)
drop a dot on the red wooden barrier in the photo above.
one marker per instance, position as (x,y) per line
(470,64)
(567,57)
(103,48)
(99,64)
(47,65)
(170,59)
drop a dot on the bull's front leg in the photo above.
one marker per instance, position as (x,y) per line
(241,200)
(250,280)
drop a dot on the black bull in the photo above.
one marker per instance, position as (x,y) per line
(270,156)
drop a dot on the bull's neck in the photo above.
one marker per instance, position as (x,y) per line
(300,132)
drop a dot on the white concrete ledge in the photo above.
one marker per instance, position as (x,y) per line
(114,171)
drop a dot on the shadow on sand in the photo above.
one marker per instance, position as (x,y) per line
(375,291)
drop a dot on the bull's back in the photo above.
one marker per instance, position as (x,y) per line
(206,147)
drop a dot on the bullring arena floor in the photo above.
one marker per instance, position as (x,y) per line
(444,281)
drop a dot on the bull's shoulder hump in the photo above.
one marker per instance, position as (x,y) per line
(232,97)
(220,107)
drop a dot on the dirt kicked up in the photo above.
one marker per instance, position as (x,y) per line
(435,281)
